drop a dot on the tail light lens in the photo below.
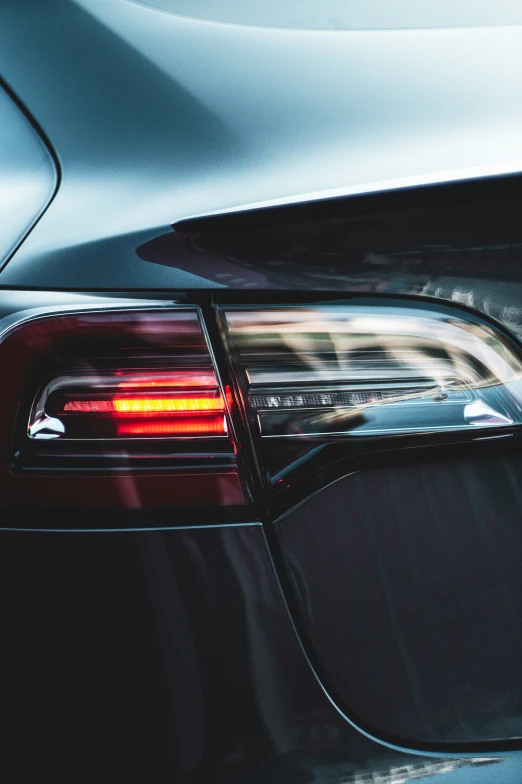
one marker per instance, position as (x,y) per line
(126,403)
(349,374)
(129,402)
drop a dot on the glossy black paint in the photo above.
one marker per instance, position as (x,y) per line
(316,465)
(170,656)
(407,581)
(459,242)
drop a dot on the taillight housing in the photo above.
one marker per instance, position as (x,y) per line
(118,407)
(327,382)
(125,406)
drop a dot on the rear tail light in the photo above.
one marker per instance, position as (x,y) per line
(126,407)
(182,426)
(85,406)
(352,374)
(120,407)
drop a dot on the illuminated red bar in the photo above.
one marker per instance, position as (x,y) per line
(145,405)
(178,426)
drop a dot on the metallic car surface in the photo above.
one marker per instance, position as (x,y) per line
(348,14)
(28,175)
(149,131)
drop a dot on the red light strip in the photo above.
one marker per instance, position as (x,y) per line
(204,425)
(145,405)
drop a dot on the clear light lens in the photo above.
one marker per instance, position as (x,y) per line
(360,370)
